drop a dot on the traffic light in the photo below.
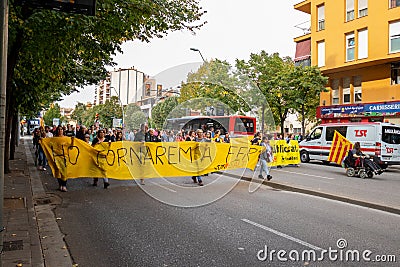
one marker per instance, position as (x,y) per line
(159,89)
(147,89)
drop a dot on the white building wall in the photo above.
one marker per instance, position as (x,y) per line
(128,84)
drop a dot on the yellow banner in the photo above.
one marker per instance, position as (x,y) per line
(134,160)
(284,153)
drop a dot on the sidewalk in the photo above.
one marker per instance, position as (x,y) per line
(31,236)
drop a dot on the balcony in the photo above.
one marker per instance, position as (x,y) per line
(304,26)
(304,6)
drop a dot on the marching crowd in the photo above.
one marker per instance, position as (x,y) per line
(94,135)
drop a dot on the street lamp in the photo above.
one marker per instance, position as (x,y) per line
(197,50)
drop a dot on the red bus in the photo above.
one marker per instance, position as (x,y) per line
(236,125)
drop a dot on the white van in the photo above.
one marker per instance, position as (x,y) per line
(378,139)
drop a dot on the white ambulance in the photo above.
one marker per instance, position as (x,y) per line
(378,139)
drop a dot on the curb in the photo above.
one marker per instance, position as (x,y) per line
(318,194)
(53,248)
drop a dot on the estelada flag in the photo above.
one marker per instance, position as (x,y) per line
(340,147)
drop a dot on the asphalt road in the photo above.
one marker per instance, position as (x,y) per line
(124,226)
(381,189)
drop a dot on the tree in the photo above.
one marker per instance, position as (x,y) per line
(52,53)
(213,81)
(309,83)
(109,111)
(133,117)
(78,113)
(52,113)
(272,75)
(162,110)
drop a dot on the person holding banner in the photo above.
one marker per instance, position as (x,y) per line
(101,138)
(199,138)
(61,182)
(266,156)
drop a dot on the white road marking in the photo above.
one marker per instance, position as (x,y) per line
(164,187)
(305,174)
(291,238)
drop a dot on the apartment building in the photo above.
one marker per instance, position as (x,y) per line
(131,86)
(356,44)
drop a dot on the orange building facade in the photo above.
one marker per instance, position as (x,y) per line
(356,44)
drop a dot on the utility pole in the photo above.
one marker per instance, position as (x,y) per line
(3,84)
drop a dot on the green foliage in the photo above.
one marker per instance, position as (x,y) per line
(213,81)
(163,110)
(78,112)
(133,117)
(51,53)
(52,113)
(272,75)
(309,83)
(110,110)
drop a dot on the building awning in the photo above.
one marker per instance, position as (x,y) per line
(303,50)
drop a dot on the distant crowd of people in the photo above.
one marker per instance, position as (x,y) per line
(95,135)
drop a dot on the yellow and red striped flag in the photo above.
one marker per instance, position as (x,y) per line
(339,148)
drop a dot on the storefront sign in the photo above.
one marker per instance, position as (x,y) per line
(359,110)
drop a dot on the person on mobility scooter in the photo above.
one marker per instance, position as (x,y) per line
(357,163)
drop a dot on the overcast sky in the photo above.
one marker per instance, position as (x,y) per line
(234,30)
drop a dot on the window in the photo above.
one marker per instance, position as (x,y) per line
(349,10)
(350,47)
(346,90)
(316,134)
(395,73)
(391,135)
(394,39)
(362,44)
(362,8)
(394,3)
(321,18)
(321,53)
(335,91)
(357,89)
(330,132)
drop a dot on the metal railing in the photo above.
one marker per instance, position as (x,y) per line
(305,27)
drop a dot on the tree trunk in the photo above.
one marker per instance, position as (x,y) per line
(283,127)
(12,59)
(303,121)
(7,140)
(14,132)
